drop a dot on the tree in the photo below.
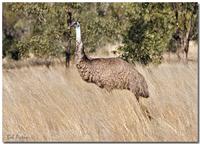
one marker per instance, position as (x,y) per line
(47,24)
(186,26)
(149,34)
(154,27)
(146,29)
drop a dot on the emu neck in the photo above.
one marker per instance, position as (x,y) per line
(78,34)
(79,53)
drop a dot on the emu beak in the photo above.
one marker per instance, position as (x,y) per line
(72,25)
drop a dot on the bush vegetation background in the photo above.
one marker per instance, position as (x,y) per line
(146,30)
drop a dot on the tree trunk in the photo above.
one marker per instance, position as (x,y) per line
(67,53)
(186,39)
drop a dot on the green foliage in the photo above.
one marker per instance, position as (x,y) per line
(47,23)
(146,29)
(151,31)
(149,34)
(98,24)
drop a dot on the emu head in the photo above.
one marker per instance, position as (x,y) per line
(74,24)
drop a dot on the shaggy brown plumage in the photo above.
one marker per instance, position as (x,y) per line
(108,73)
(113,73)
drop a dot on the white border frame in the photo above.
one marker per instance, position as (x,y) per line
(1,43)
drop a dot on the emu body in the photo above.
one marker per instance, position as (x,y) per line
(108,73)
(113,73)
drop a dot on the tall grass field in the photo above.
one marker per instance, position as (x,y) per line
(55,105)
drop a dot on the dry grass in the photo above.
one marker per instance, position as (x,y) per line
(41,104)
(192,54)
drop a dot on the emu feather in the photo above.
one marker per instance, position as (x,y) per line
(108,73)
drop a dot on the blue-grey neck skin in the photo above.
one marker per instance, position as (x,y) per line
(78,33)
(79,53)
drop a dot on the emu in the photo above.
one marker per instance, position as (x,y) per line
(108,73)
